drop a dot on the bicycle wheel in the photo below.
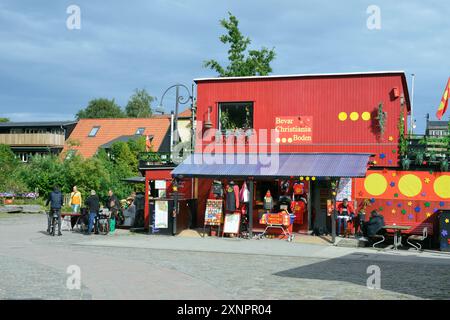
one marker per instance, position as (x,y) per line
(53,226)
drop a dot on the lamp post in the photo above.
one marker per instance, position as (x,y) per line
(179,99)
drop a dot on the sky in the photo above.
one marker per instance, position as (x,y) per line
(49,72)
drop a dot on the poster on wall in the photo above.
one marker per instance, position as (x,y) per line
(344,190)
(213,212)
(294,130)
(161,214)
(160,184)
(231,224)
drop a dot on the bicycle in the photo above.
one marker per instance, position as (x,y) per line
(53,215)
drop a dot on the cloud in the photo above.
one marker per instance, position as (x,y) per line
(46,68)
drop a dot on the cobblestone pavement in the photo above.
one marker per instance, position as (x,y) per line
(128,266)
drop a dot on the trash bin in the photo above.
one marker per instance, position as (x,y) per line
(444,230)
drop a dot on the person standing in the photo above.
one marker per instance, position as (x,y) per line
(113,205)
(93,204)
(55,200)
(75,200)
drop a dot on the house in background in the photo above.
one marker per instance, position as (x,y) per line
(92,134)
(27,139)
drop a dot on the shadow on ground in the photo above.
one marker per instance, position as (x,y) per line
(427,278)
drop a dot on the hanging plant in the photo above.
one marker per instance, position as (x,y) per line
(403,142)
(381,117)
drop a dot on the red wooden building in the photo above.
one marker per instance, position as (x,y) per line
(345,121)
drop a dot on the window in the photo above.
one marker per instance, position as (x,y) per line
(93,131)
(140,131)
(235,115)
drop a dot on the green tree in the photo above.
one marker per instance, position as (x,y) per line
(4,120)
(257,62)
(101,108)
(9,170)
(139,105)
(43,173)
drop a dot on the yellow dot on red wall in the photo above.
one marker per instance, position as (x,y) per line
(442,187)
(342,116)
(365,116)
(283,140)
(410,185)
(354,116)
(290,140)
(375,184)
(278,140)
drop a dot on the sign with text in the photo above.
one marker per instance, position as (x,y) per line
(213,212)
(295,130)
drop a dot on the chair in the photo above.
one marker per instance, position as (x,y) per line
(418,238)
(379,235)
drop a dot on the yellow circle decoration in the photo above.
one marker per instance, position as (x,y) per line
(375,184)
(278,140)
(283,140)
(301,178)
(290,140)
(342,116)
(354,116)
(313,178)
(410,185)
(365,116)
(307,178)
(442,187)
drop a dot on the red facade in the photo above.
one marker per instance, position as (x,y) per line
(342,108)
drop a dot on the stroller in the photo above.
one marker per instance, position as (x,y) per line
(102,222)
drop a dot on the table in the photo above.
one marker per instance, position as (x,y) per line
(70,215)
(397,234)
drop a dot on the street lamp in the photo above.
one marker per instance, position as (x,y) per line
(179,99)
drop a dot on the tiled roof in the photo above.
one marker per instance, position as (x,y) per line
(185,114)
(110,129)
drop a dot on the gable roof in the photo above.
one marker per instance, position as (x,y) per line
(115,129)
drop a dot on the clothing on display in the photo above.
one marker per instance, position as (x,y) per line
(244,194)
(232,197)
(217,189)
(268,201)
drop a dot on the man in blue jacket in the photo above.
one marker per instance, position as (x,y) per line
(55,200)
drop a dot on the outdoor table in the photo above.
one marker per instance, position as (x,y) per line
(71,214)
(397,234)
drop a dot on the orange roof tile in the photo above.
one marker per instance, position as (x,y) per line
(158,127)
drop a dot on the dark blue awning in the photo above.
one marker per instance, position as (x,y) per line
(273,165)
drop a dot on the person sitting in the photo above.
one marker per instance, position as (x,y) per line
(345,213)
(374,225)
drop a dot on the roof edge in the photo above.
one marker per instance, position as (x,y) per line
(306,75)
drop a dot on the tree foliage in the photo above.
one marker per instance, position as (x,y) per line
(255,63)
(100,173)
(101,108)
(139,105)
(4,120)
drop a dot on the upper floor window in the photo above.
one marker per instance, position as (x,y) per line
(93,131)
(140,131)
(235,115)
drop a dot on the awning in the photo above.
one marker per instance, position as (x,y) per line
(273,165)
